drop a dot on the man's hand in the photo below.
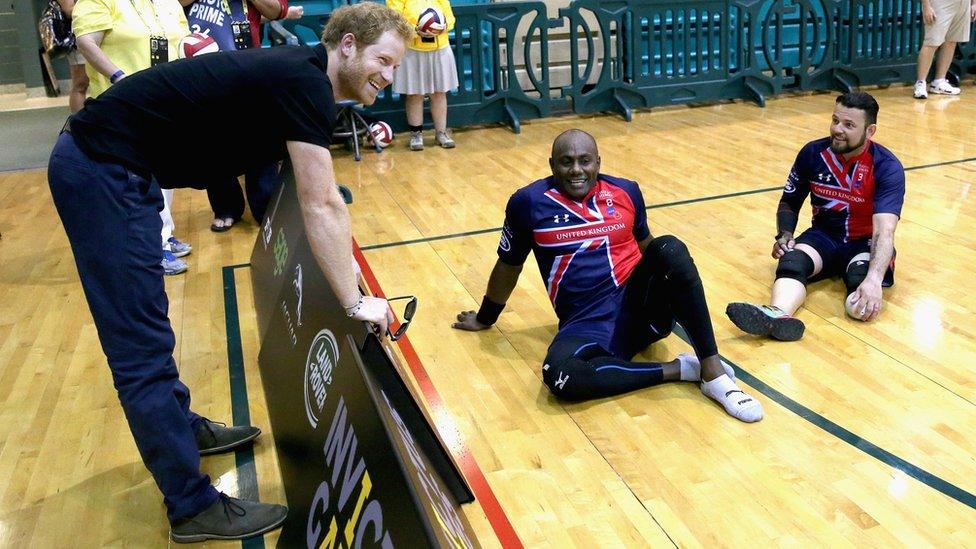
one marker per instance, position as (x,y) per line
(295,12)
(468,321)
(376,311)
(783,244)
(866,300)
(928,14)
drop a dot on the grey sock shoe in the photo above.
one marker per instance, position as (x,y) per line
(215,438)
(229,518)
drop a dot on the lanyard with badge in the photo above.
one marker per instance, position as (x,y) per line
(158,44)
(240,29)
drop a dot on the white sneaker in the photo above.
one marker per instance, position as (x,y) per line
(943,87)
(416,141)
(172,265)
(920,92)
(445,140)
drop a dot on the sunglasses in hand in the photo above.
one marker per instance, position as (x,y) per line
(407,316)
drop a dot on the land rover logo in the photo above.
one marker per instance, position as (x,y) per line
(323,356)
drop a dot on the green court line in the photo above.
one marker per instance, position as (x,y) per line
(869,448)
(651,207)
(247,477)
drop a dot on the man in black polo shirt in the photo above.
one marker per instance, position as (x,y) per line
(105,175)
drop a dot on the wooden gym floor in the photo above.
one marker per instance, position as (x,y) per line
(867,439)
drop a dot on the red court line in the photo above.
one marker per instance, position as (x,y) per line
(476,479)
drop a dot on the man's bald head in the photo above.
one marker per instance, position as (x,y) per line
(575,163)
(572,137)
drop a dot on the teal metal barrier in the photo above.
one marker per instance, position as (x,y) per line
(627,54)
(659,52)
(881,39)
(485,40)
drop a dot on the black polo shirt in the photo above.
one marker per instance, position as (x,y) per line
(193,121)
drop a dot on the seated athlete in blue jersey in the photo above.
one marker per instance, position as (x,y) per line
(856,189)
(615,288)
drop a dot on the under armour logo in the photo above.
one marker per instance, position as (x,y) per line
(823,176)
(561,382)
(556,219)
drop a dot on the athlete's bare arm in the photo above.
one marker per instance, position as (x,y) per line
(500,285)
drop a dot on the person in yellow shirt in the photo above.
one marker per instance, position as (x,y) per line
(118,38)
(428,69)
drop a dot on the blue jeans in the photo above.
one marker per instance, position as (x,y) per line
(111,216)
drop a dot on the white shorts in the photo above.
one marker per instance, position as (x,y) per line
(952,18)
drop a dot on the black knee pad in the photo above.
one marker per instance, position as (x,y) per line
(672,258)
(855,274)
(796,265)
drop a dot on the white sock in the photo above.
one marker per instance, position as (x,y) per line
(735,401)
(691,368)
(938,81)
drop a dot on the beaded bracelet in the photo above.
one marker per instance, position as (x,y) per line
(353,309)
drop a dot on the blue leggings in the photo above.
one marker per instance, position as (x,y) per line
(664,288)
(576,368)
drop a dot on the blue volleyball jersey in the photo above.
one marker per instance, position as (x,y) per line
(585,250)
(845,194)
(214,18)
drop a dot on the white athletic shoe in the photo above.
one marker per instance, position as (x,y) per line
(736,402)
(920,92)
(445,140)
(416,141)
(943,87)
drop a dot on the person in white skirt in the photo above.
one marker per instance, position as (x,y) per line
(427,69)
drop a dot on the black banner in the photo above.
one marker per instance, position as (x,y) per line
(359,463)
(272,255)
